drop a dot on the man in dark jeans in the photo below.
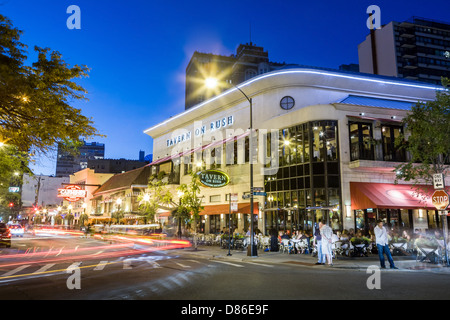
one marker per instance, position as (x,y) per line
(383,245)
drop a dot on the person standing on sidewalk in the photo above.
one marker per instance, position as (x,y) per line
(318,243)
(383,245)
(327,235)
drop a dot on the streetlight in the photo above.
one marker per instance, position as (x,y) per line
(211,83)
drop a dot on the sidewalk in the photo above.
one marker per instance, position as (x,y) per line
(408,264)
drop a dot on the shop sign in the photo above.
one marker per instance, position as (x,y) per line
(214,125)
(214,178)
(72,193)
(14,189)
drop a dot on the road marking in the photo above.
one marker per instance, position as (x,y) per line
(75,265)
(182,265)
(44,268)
(195,261)
(3,277)
(60,251)
(229,263)
(101,266)
(259,264)
(10,273)
(127,265)
(154,264)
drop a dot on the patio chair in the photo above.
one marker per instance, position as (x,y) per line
(302,246)
(286,245)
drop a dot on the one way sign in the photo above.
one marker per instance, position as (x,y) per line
(438,181)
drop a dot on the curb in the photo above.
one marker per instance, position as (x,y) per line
(403,265)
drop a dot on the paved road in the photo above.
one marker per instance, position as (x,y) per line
(39,268)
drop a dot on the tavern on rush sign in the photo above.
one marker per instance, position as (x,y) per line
(214,178)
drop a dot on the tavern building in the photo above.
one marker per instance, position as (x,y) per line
(323,149)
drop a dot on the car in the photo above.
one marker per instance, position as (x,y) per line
(16,230)
(5,235)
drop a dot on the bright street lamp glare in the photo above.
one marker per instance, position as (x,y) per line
(211,83)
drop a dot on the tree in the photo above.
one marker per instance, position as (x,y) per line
(427,140)
(35,101)
(158,196)
(12,164)
(190,200)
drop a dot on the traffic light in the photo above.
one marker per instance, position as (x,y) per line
(11,204)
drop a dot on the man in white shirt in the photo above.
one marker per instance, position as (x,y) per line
(383,245)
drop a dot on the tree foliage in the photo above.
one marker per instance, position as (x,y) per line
(428,139)
(35,100)
(12,164)
(190,200)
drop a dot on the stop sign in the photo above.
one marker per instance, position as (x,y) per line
(440,199)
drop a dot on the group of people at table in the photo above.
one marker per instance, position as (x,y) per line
(324,237)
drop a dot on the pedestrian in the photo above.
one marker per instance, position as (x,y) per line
(326,234)
(318,243)
(382,242)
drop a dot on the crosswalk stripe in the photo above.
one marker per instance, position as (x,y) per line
(44,268)
(182,265)
(229,263)
(260,264)
(154,264)
(101,266)
(10,273)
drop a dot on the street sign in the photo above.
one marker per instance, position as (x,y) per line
(259,194)
(438,181)
(234,202)
(440,199)
(246,196)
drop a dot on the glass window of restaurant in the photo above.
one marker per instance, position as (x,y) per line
(391,152)
(307,183)
(361,146)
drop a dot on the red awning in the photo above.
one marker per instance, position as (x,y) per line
(222,209)
(389,196)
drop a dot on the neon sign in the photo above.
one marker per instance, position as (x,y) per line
(72,193)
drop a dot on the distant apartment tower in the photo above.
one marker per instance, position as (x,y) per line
(250,60)
(67,164)
(417,49)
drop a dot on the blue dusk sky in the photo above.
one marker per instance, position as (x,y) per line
(138,50)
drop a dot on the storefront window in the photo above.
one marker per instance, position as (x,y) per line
(214,223)
(331,141)
(317,142)
(359,220)
(390,151)
(361,146)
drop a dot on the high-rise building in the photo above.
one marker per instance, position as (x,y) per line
(67,163)
(416,49)
(250,60)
